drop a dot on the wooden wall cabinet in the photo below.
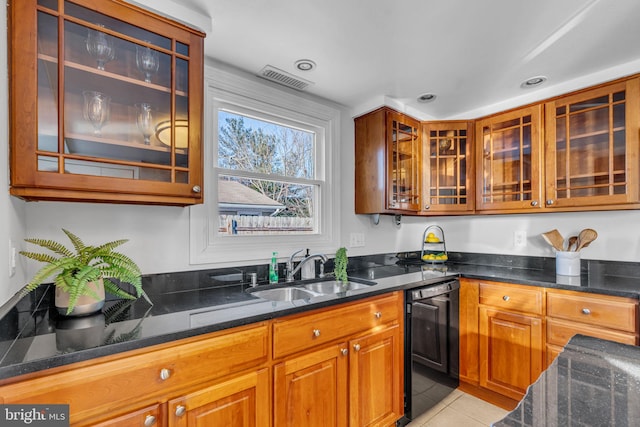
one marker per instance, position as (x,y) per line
(592,146)
(387,170)
(346,372)
(105,104)
(509,160)
(448,181)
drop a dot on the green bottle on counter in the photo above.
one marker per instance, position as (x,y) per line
(273,268)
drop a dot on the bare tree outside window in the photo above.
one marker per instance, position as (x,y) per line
(266,183)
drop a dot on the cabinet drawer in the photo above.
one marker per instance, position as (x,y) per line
(511,297)
(559,332)
(599,310)
(135,380)
(150,416)
(307,330)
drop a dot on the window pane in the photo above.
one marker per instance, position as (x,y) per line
(252,145)
(257,207)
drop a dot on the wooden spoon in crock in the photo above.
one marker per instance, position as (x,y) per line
(585,237)
(555,239)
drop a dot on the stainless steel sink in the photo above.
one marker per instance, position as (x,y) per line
(334,287)
(308,289)
(290,293)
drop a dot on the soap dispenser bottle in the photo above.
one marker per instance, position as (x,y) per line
(273,268)
(308,268)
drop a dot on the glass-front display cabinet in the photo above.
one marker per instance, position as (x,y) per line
(592,146)
(403,154)
(106,104)
(387,163)
(447,167)
(509,162)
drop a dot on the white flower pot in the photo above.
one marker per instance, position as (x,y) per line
(85,305)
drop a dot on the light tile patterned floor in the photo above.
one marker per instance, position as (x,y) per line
(460,410)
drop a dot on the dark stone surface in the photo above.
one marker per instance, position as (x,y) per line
(592,382)
(187,304)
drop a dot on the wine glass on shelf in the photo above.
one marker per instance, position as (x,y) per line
(100,46)
(96,109)
(147,61)
(144,118)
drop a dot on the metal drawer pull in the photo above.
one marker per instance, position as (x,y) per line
(165,374)
(316,332)
(586,311)
(378,314)
(506,297)
(344,351)
(180,410)
(149,420)
(356,347)
(196,189)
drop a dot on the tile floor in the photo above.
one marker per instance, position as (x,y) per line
(460,409)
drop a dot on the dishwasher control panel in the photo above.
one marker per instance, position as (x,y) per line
(434,290)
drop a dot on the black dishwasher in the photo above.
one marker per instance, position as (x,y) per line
(431,345)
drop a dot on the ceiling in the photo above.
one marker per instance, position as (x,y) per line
(471,54)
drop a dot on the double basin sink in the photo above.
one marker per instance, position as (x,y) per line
(307,289)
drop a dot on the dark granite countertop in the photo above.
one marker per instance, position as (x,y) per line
(592,382)
(33,337)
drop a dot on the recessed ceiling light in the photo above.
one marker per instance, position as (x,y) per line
(533,82)
(427,97)
(305,64)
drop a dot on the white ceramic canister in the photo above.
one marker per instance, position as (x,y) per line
(567,263)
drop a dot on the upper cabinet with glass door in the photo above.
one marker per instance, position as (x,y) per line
(403,157)
(591,150)
(509,155)
(106,104)
(447,168)
(387,163)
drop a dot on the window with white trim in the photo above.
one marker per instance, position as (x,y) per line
(270,177)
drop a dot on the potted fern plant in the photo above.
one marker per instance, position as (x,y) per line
(84,273)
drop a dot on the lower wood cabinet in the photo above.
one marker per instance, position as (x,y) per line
(336,366)
(510,333)
(312,389)
(147,417)
(602,316)
(511,351)
(356,379)
(376,378)
(238,402)
(126,384)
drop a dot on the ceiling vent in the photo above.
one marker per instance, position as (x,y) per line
(282,77)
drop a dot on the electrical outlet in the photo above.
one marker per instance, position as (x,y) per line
(356,240)
(12,258)
(520,239)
